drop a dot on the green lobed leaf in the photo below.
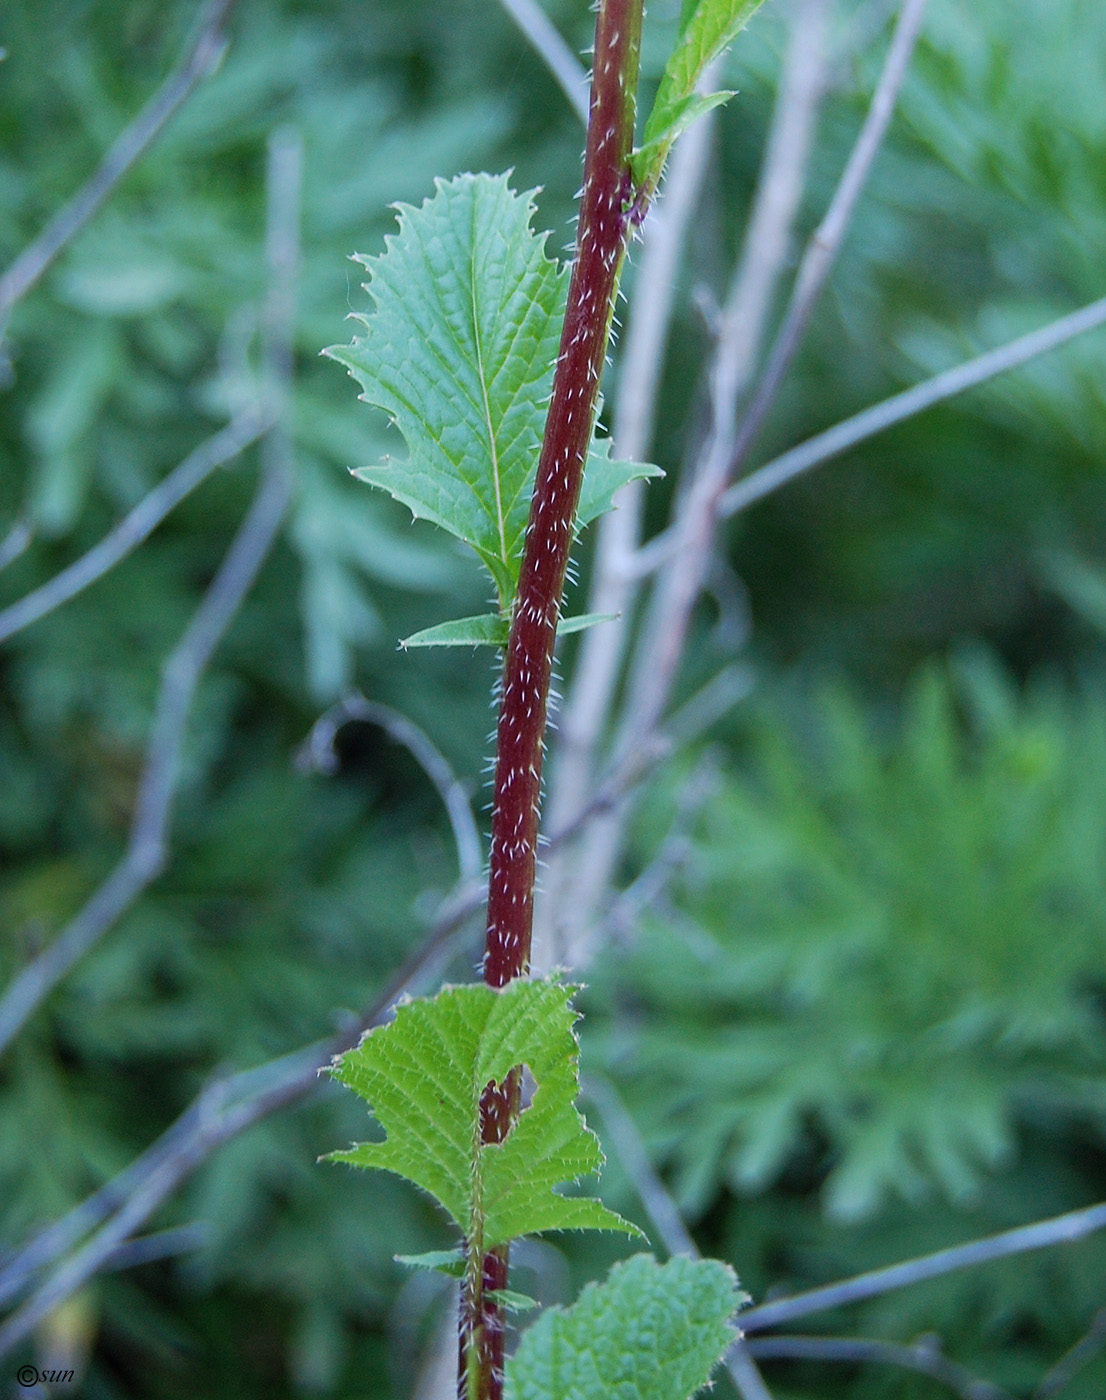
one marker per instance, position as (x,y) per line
(513,1302)
(649,1332)
(423,1076)
(459,351)
(441,1261)
(487,630)
(490,629)
(602,478)
(707,27)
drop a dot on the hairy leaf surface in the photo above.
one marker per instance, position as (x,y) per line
(459,351)
(650,1332)
(423,1076)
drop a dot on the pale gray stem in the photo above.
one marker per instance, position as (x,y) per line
(317,755)
(135,527)
(557,921)
(229,1106)
(565,67)
(1061,1229)
(762,262)
(825,243)
(226,1108)
(145,855)
(693,532)
(924,1357)
(663,1213)
(1060,1376)
(15,543)
(199,61)
(840,438)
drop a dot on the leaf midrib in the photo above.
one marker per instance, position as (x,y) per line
(492,448)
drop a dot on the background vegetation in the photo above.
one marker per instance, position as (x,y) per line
(864,1018)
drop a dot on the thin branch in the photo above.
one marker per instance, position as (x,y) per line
(825,243)
(200,60)
(1061,1375)
(671,855)
(693,531)
(317,755)
(553,51)
(162,1244)
(224,1109)
(145,855)
(137,526)
(587,707)
(663,1213)
(762,262)
(840,438)
(229,1106)
(1061,1229)
(15,542)
(922,1357)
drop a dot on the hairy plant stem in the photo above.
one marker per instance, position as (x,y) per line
(607,214)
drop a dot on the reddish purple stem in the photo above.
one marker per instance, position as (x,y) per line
(601,243)
(602,234)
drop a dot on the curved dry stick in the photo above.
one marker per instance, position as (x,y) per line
(842,436)
(137,525)
(316,754)
(200,60)
(925,1359)
(145,854)
(693,531)
(222,1111)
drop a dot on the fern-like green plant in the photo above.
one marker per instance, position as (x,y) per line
(897,940)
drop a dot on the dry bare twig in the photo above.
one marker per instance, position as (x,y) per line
(1060,1229)
(144,857)
(1060,1376)
(553,51)
(229,1106)
(199,61)
(924,1356)
(693,532)
(137,525)
(316,755)
(825,242)
(762,262)
(881,416)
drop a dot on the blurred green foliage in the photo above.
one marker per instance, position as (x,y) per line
(870,1021)
(876,985)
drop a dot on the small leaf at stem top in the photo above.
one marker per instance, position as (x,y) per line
(707,27)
